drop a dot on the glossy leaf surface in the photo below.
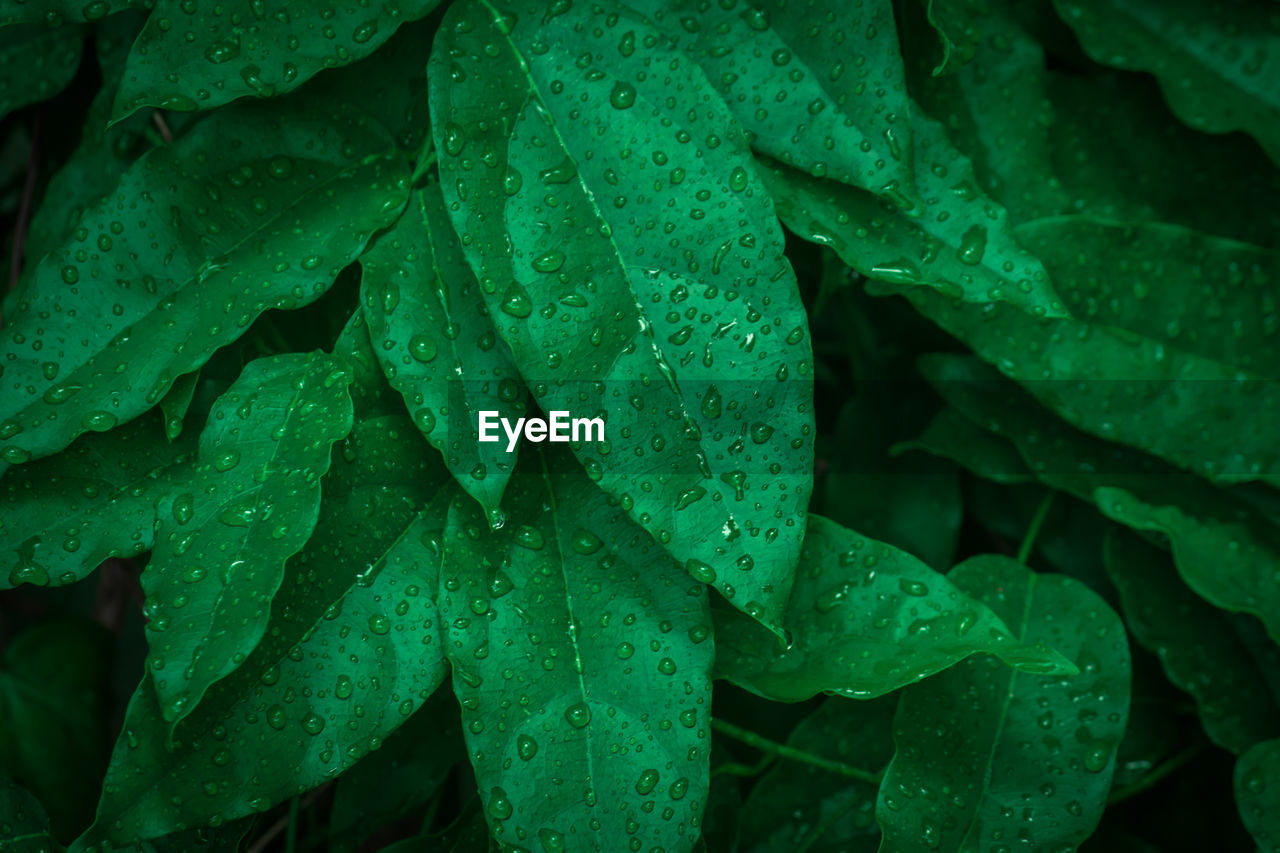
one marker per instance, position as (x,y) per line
(693,348)
(36,62)
(987,753)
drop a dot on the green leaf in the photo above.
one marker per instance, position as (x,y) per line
(826,98)
(797,806)
(257,207)
(36,63)
(175,404)
(581,656)
(224,532)
(953,436)
(352,650)
(371,396)
(1257,784)
(24,827)
(963,246)
(196,57)
(437,346)
(53,720)
(960,31)
(401,776)
(1216,65)
(866,619)
(62,516)
(55,13)
(1202,522)
(1235,681)
(985,753)
(635,268)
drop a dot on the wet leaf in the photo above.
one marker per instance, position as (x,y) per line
(198,239)
(36,62)
(351,650)
(1257,782)
(225,530)
(581,655)
(866,619)
(24,827)
(200,55)
(693,347)
(437,345)
(987,753)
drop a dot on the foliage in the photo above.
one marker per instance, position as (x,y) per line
(936,345)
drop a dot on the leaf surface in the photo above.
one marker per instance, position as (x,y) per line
(224,532)
(635,268)
(1216,65)
(986,753)
(866,619)
(1236,683)
(581,656)
(258,207)
(196,56)
(437,345)
(351,651)
(1257,784)
(36,63)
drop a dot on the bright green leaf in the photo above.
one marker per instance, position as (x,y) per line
(224,531)
(581,655)
(635,268)
(987,754)
(866,619)
(437,346)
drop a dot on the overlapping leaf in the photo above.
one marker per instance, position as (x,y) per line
(352,650)
(437,346)
(36,62)
(1217,65)
(866,619)
(224,531)
(55,13)
(200,55)
(255,208)
(635,268)
(985,753)
(1233,673)
(581,655)
(1257,783)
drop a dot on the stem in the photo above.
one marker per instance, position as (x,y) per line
(165,133)
(424,163)
(1033,530)
(1157,773)
(733,768)
(24,208)
(783,751)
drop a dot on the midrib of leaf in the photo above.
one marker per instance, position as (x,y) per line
(204,267)
(534,92)
(573,622)
(1004,708)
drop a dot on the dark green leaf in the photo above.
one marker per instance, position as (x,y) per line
(351,651)
(24,827)
(798,806)
(224,532)
(581,655)
(986,754)
(1225,82)
(54,13)
(960,31)
(635,268)
(177,401)
(1236,683)
(53,725)
(36,63)
(437,346)
(864,620)
(199,238)
(193,56)
(1257,784)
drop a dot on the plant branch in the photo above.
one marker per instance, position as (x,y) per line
(790,752)
(1033,529)
(24,208)
(1157,773)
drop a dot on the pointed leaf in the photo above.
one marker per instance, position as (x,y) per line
(437,345)
(635,267)
(866,619)
(352,649)
(581,656)
(224,532)
(255,208)
(985,753)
